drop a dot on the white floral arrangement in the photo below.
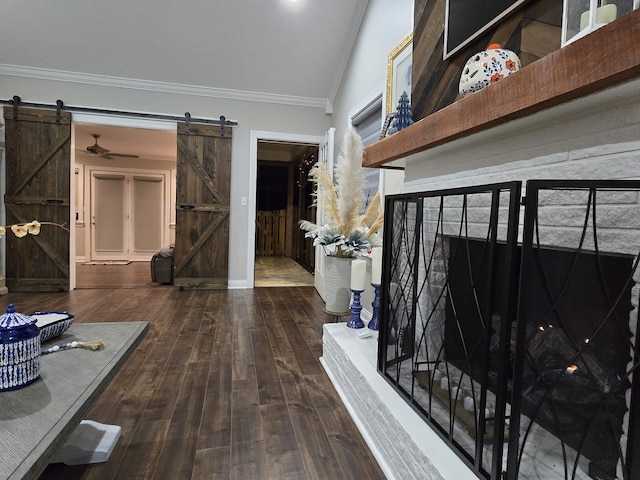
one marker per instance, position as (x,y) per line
(30,228)
(346,233)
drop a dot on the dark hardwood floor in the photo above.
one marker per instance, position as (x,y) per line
(226,385)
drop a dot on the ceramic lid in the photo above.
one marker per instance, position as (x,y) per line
(13,319)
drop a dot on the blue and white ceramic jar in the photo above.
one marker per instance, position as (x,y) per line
(19,350)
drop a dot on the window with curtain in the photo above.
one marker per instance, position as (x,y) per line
(368,124)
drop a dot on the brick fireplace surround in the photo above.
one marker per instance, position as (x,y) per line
(594,137)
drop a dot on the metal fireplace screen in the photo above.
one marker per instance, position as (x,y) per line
(514,336)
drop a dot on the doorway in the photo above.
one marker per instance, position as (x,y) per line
(275,160)
(123,198)
(283,257)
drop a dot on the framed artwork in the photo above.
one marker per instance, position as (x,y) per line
(399,72)
(387,123)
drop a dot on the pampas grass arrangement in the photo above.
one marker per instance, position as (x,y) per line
(346,233)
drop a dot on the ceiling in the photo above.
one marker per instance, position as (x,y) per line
(293,51)
(292,48)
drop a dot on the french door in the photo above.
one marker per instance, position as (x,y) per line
(325,156)
(128,213)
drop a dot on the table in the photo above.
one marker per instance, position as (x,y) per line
(37,419)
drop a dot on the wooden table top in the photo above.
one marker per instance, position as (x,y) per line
(37,419)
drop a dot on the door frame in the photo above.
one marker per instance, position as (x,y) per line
(98,119)
(255,137)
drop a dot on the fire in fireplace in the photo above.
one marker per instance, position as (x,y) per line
(576,343)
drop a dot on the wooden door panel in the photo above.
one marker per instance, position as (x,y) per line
(38,188)
(202,212)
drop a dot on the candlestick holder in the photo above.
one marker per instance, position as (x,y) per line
(355,321)
(374,323)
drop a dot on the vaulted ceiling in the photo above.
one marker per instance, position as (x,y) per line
(294,49)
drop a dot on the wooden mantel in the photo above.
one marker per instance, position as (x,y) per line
(607,57)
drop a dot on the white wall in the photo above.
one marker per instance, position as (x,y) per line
(249,115)
(383,27)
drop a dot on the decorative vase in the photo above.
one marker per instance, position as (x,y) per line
(337,283)
(19,350)
(486,68)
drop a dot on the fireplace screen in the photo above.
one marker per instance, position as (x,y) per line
(514,336)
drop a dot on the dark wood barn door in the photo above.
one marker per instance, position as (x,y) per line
(38,188)
(203,187)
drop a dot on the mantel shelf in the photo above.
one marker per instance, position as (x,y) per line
(605,58)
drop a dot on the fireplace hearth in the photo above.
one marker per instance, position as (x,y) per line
(518,325)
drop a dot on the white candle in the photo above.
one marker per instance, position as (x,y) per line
(376,265)
(456,392)
(468,404)
(444,383)
(358,274)
(437,375)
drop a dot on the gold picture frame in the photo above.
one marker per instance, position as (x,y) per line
(399,72)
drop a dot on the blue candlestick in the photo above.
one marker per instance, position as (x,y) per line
(355,321)
(374,323)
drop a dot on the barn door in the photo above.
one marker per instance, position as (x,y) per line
(202,207)
(38,188)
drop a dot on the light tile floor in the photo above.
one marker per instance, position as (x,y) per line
(281,272)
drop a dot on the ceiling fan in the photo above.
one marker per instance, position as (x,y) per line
(96,149)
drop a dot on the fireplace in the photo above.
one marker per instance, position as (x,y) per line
(514,334)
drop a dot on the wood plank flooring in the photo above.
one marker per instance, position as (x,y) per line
(225,385)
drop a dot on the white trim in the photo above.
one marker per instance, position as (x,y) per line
(255,136)
(123,121)
(164,87)
(238,285)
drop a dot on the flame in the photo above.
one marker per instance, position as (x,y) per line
(571,369)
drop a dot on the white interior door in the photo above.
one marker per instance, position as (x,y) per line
(127,215)
(147,215)
(325,155)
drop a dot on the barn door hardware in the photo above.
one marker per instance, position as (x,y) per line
(16,102)
(187,207)
(222,120)
(59,105)
(187,121)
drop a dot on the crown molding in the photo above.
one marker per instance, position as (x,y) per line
(154,86)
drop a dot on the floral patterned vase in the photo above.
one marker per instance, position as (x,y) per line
(486,68)
(337,284)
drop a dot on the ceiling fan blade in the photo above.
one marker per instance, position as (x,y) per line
(119,155)
(97,150)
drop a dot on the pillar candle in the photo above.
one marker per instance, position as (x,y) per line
(444,383)
(376,265)
(358,274)
(468,404)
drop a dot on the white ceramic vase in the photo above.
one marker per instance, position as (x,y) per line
(337,282)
